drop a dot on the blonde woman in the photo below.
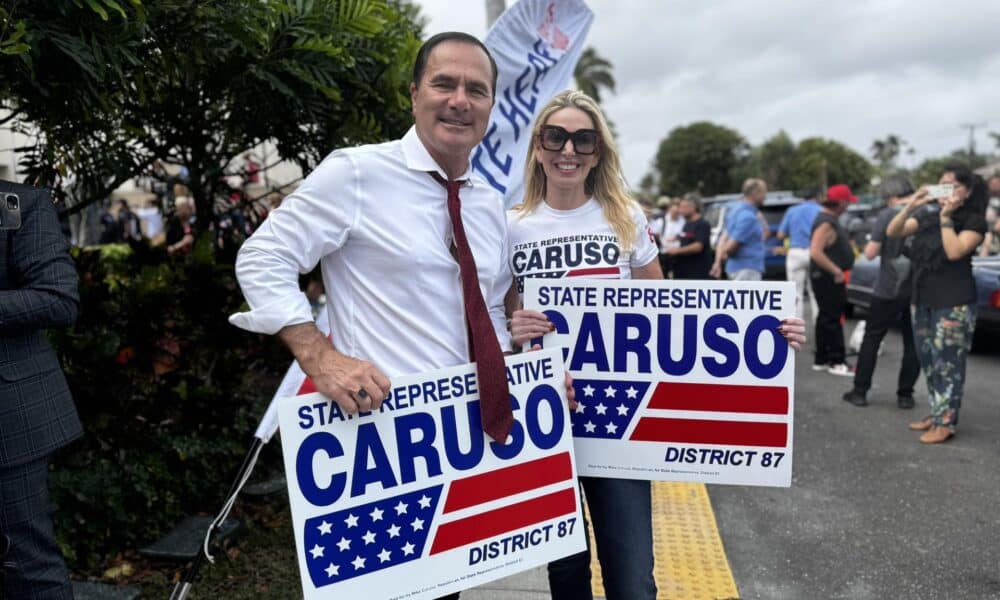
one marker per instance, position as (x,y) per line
(578,220)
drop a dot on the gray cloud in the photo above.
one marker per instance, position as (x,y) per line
(852,71)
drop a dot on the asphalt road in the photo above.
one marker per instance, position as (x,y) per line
(872,513)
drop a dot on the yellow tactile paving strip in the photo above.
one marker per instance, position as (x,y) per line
(691,563)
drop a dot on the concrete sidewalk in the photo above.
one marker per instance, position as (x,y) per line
(529,585)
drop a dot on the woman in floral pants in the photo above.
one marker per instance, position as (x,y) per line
(946,233)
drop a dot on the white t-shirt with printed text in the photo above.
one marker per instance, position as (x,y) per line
(574,243)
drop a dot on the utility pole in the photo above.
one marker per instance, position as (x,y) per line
(972,140)
(494,8)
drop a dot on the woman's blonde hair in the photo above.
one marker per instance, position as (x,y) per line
(605,181)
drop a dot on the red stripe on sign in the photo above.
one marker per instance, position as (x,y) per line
(595,271)
(721,398)
(508,481)
(697,431)
(509,518)
(307,387)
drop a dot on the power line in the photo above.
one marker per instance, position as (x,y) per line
(972,137)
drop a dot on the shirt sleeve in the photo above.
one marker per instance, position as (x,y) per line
(881,224)
(703,234)
(784,226)
(741,227)
(974,222)
(45,293)
(644,250)
(311,223)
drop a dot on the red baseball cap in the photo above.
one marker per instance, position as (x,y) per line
(840,193)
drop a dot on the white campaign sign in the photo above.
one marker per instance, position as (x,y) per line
(414,501)
(676,380)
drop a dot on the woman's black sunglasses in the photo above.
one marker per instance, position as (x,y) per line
(553,139)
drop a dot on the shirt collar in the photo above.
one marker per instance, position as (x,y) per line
(419,159)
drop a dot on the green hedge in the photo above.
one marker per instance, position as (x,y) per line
(168,391)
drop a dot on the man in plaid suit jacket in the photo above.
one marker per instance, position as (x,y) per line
(38,290)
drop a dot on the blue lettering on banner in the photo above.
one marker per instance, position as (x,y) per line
(493,149)
(512,112)
(517,107)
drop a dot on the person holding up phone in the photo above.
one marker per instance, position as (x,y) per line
(945,234)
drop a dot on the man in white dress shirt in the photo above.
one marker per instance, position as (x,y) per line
(377,222)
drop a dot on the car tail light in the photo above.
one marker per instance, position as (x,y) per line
(995,299)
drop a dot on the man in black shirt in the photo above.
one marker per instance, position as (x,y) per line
(890,303)
(693,258)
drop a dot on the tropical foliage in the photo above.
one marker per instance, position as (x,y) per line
(593,74)
(107,87)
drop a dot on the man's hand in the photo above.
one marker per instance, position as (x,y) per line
(716,271)
(526,325)
(355,385)
(838,276)
(793,330)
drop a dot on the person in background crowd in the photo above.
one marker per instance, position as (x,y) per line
(38,291)
(150,219)
(945,234)
(573,187)
(796,227)
(693,258)
(741,246)
(890,302)
(991,242)
(668,231)
(830,256)
(122,226)
(180,228)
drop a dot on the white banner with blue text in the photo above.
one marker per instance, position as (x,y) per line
(536,44)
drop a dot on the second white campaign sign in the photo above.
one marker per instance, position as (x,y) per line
(414,501)
(676,380)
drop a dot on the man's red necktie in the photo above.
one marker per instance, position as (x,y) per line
(494,395)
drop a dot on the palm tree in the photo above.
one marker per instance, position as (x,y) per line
(886,151)
(593,73)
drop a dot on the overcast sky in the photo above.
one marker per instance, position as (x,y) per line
(848,70)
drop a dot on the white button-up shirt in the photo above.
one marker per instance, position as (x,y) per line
(378,224)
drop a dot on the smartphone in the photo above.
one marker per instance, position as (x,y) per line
(943,190)
(10,211)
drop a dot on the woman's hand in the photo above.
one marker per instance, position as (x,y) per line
(526,325)
(793,329)
(952,203)
(918,199)
(568,382)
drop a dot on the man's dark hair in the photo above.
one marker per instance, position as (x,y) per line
(420,64)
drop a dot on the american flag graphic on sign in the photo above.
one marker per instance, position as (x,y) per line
(694,413)
(380,535)
(605,408)
(736,415)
